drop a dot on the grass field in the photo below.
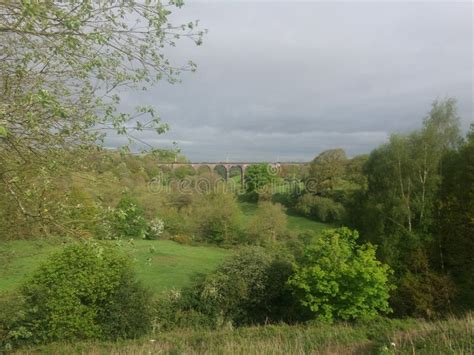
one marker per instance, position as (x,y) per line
(295,222)
(161,264)
(382,336)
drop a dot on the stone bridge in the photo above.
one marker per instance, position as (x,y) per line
(274,167)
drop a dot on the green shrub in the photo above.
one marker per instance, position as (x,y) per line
(321,208)
(174,221)
(424,294)
(249,288)
(85,291)
(129,221)
(215,217)
(268,224)
(338,279)
(172,310)
(12,306)
(257,176)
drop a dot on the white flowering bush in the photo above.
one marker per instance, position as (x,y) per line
(156,227)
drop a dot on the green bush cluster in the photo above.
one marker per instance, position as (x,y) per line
(269,224)
(250,288)
(323,209)
(334,279)
(128,220)
(86,291)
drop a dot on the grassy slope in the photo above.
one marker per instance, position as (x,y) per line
(161,264)
(383,336)
(295,222)
(164,264)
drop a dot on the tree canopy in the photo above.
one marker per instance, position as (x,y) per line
(63,67)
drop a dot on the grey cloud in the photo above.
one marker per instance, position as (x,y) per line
(290,79)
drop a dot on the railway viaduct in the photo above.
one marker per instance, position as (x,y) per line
(273,167)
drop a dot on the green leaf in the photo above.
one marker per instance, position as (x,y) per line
(3,131)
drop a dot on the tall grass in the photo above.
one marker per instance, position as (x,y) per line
(383,336)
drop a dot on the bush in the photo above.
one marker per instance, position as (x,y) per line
(247,289)
(85,291)
(422,292)
(129,221)
(268,224)
(172,310)
(257,176)
(215,217)
(338,279)
(174,221)
(155,229)
(12,307)
(321,208)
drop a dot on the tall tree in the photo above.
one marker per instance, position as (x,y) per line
(404,174)
(63,66)
(399,207)
(326,169)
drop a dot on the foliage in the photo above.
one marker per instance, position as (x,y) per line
(248,288)
(181,239)
(257,176)
(423,294)
(268,224)
(455,223)
(404,174)
(354,171)
(12,306)
(320,208)
(129,221)
(399,210)
(326,169)
(63,66)
(155,229)
(175,222)
(214,217)
(338,279)
(85,291)
(173,311)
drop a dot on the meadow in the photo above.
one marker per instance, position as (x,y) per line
(160,264)
(295,222)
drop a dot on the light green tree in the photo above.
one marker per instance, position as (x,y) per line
(339,279)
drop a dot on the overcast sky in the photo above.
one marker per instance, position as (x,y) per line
(286,80)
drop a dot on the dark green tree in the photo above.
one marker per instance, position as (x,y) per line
(257,176)
(455,225)
(327,169)
(398,210)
